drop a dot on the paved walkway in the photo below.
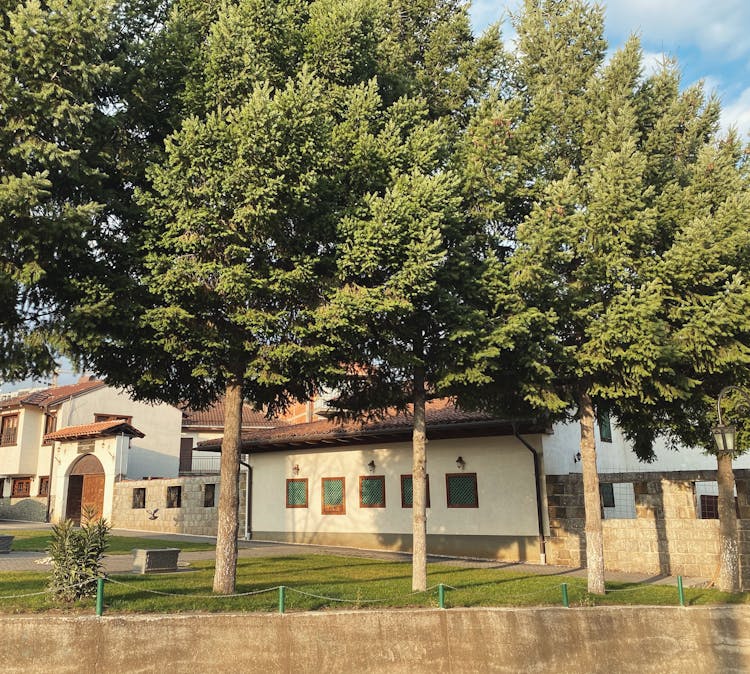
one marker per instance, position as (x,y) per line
(36,561)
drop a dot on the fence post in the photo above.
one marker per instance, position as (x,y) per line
(99,596)
(680,591)
(565,601)
(441,595)
(282,597)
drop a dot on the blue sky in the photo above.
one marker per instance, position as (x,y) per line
(709,38)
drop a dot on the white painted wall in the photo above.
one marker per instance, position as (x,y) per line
(505,482)
(21,459)
(155,455)
(561,446)
(108,450)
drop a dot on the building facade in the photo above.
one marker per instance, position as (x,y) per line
(69,444)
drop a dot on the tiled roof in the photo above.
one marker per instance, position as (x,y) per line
(112,427)
(213,417)
(51,396)
(440,414)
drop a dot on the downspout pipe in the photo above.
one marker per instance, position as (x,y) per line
(539,505)
(248,501)
(48,514)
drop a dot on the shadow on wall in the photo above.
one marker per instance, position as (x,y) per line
(24,509)
(566,545)
(650,496)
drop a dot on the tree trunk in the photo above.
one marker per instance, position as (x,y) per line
(591,498)
(729,580)
(225,574)
(419,487)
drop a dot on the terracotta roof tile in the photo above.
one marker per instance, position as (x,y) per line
(112,427)
(52,396)
(214,417)
(438,413)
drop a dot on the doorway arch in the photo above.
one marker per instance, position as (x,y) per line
(85,488)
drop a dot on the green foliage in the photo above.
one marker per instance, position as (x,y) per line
(54,75)
(77,557)
(623,220)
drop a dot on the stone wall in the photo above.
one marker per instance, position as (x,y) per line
(32,509)
(192,517)
(624,639)
(666,537)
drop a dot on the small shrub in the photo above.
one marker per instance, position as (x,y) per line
(77,556)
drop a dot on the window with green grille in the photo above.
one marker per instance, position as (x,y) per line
(334,502)
(461,489)
(407,491)
(372,491)
(296,493)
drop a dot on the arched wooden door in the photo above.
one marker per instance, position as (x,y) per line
(85,488)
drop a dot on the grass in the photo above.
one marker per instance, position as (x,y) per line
(315,582)
(38,540)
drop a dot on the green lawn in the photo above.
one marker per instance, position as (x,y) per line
(38,540)
(316,582)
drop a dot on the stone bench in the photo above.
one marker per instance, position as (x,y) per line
(5,543)
(155,560)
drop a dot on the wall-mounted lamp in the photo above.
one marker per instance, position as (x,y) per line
(295,469)
(576,457)
(460,463)
(371,466)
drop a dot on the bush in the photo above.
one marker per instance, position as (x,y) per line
(77,556)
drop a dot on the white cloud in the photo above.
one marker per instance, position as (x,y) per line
(653,62)
(714,26)
(736,113)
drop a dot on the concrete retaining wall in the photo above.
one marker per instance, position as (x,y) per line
(617,639)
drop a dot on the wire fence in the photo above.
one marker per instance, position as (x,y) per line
(560,589)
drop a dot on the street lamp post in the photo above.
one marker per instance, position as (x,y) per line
(725,437)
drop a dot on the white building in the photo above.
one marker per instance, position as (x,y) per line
(63,448)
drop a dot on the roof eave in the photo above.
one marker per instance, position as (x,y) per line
(481,428)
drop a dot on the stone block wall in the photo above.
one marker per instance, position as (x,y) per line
(666,536)
(192,517)
(31,509)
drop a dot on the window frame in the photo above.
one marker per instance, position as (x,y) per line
(101,417)
(206,492)
(133,504)
(335,509)
(373,478)
(448,503)
(43,487)
(604,422)
(708,504)
(307,492)
(607,494)
(14,491)
(170,500)
(48,417)
(3,420)
(410,476)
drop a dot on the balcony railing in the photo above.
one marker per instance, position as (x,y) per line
(9,436)
(203,465)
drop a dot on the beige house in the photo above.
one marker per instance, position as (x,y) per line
(62,448)
(350,484)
